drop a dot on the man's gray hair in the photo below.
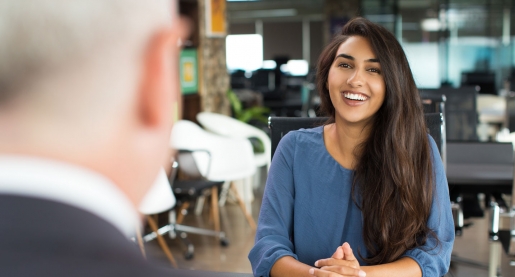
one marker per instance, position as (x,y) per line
(38,37)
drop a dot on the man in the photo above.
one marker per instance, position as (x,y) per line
(86,108)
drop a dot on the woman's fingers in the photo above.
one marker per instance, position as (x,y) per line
(337,271)
(336,262)
(347,252)
(338,254)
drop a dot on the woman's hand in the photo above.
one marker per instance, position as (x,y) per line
(342,263)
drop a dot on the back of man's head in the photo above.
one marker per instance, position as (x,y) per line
(89,82)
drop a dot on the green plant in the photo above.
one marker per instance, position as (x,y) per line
(245,115)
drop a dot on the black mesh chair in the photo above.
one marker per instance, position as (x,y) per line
(280,126)
(459,112)
(188,189)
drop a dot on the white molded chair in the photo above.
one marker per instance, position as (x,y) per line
(158,199)
(218,158)
(230,127)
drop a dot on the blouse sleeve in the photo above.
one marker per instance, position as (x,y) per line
(433,258)
(273,236)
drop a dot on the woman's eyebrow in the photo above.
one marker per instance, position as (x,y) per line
(342,55)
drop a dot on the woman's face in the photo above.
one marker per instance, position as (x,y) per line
(355,82)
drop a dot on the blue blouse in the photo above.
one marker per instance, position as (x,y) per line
(307,209)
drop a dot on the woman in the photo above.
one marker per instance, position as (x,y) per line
(365,194)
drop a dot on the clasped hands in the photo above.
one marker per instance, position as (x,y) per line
(342,263)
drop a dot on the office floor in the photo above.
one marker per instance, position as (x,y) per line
(473,245)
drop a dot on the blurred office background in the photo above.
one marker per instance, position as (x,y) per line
(253,59)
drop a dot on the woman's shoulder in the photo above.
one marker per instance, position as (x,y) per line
(432,144)
(302,138)
(307,134)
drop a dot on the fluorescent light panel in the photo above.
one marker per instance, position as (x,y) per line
(244,52)
(264,13)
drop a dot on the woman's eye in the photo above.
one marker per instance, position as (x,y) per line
(344,65)
(375,70)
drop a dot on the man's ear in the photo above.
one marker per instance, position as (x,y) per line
(159,87)
(157,90)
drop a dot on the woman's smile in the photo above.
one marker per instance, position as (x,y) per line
(354,98)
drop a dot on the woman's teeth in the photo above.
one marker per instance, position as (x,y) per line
(354,96)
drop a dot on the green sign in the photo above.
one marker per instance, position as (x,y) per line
(188,71)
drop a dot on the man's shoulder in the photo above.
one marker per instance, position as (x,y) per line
(55,239)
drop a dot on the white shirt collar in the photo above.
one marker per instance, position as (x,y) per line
(68,184)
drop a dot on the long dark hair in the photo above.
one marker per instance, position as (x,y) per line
(393,179)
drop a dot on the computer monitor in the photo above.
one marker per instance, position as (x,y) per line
(484,80)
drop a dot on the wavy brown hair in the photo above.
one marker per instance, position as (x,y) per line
(393,179)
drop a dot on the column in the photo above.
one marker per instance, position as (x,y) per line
(214,79)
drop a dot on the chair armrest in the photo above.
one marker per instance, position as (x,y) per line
(186,159)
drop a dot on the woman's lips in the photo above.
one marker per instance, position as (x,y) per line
(354,99)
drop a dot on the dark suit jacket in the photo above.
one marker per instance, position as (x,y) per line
(46,238)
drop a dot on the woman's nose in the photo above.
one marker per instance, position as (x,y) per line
(355,79)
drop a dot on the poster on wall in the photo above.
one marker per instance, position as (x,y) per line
(215,18)
(188,71)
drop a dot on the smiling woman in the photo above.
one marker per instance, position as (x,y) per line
(355,82)
(366,193)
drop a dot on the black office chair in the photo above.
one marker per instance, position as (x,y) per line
(459,111)
(187,190)
(280,126)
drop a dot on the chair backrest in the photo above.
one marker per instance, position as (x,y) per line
(230,127)
(460,111)
(433,103)
(188,165)
(219,158)
(280,126)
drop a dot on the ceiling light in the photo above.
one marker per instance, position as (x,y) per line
(431,24)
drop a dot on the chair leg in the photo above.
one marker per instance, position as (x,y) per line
(139,238)
(161,241)
(214,208)
(248,195)
(251,221)
(224,192)
(183,207)
(200,205)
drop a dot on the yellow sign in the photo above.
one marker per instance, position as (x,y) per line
(215,17)
(188,72)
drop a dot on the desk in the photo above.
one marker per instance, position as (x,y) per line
(198,273)
(480,177)
(480,166)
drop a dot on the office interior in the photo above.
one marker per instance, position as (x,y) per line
(256,59)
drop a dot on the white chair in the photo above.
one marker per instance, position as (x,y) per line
(217,158)
(230,127)
(158,199)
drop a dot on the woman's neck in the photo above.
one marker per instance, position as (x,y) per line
(341,140)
